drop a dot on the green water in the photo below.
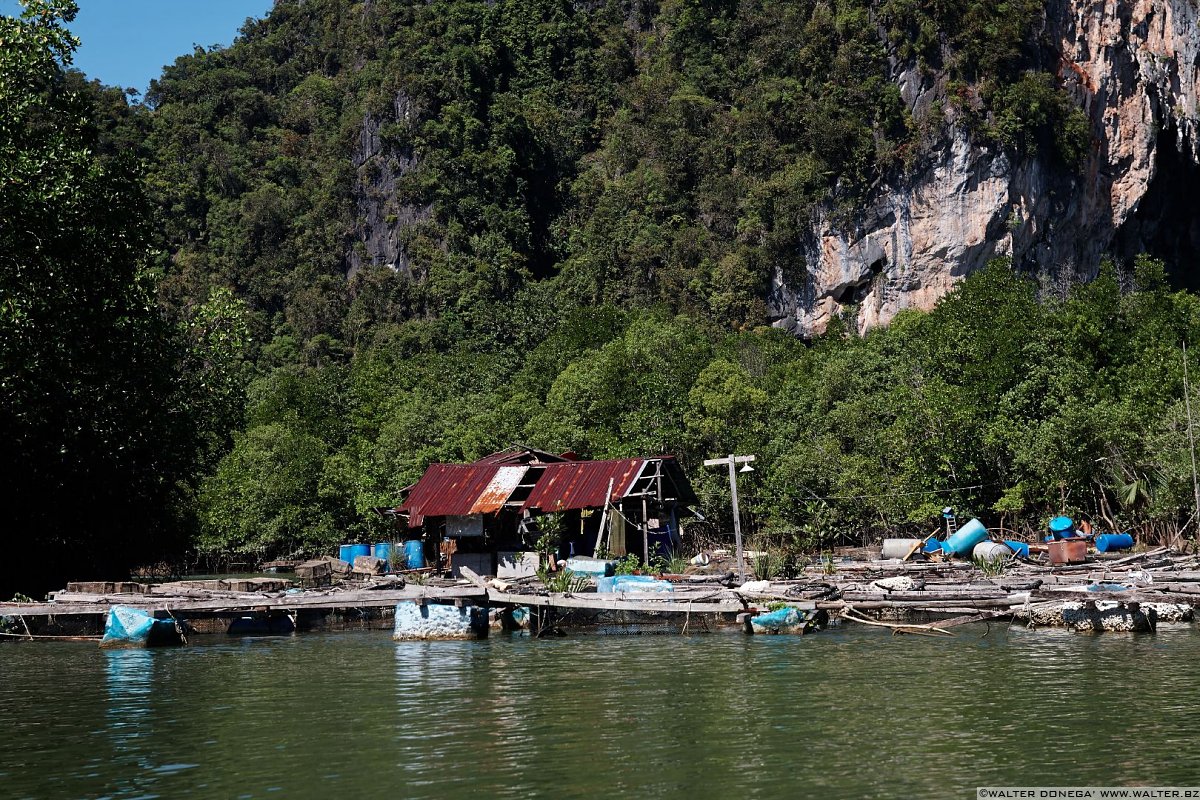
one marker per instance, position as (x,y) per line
(846,713)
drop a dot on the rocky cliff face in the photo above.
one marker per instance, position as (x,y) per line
(382,218)
(1134,67)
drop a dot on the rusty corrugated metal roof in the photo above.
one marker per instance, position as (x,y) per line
(582,484)
(494,495)
(447,490)
(483,488)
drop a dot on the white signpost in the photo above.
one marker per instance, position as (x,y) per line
(733,461)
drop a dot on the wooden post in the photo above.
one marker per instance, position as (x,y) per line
(737,519)
(645,534)
(603,519)
(733,461)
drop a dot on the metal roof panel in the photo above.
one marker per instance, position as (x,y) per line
(582,484)
(447,490)
(496,493)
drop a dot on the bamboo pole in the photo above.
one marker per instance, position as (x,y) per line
(849,613)
(603,519)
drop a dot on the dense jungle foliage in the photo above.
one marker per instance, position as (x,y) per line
(367,236)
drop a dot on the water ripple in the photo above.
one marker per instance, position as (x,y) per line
(848,713)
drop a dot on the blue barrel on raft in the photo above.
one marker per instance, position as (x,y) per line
(127,626)
(383,550)
(344,553)
(357,550)
(963,541)
(414,554)
(1062,528)
(1020,548)
(1111,542)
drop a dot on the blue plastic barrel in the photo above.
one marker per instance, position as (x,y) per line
(1020,548)
(1062,528)
(357,550)
(1108,542)
(383,550)
(964,540)
(344,553)
(414,553)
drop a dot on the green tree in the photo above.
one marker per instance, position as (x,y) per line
(266,498)
(87,376)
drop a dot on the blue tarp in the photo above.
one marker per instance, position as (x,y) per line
(132,627)
(783,619)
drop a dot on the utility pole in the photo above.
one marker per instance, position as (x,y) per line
(733,461)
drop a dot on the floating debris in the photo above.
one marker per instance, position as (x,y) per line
(136,627)
(1103,615)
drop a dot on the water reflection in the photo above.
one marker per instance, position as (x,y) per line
(130,676)
(129,715)
(848,713)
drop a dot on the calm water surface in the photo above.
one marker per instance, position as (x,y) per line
(846,713)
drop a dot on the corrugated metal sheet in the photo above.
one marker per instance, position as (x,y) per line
(498,489)
(447,490)
(581,484)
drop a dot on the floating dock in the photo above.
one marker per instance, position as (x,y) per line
(1128,593)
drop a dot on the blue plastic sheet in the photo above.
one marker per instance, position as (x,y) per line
(1105,586)
(133,627)
(592,567)
(632,583)
(779,620)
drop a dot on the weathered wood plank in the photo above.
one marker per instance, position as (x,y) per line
(615,603)
(100,604)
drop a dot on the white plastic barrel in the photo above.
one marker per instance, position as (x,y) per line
(899,548)
(991,551)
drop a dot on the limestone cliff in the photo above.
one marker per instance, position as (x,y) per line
(1134,67)
(381,216)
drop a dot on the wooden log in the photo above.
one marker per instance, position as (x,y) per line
(920,596)
(919,545)
(473,577)
(361,598)
(1140,556)
(929,605)
(851,614)
(1191,589)
(966,619)
(45,637)
(596,602)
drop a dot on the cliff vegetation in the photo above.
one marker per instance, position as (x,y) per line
(244,310)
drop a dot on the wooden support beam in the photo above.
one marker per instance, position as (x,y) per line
(598,603)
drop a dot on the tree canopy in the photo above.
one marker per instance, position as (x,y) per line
(369,236)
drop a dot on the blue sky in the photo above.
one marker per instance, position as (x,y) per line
(126,42)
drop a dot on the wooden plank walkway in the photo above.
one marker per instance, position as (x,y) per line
(703,602)
(362,598)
